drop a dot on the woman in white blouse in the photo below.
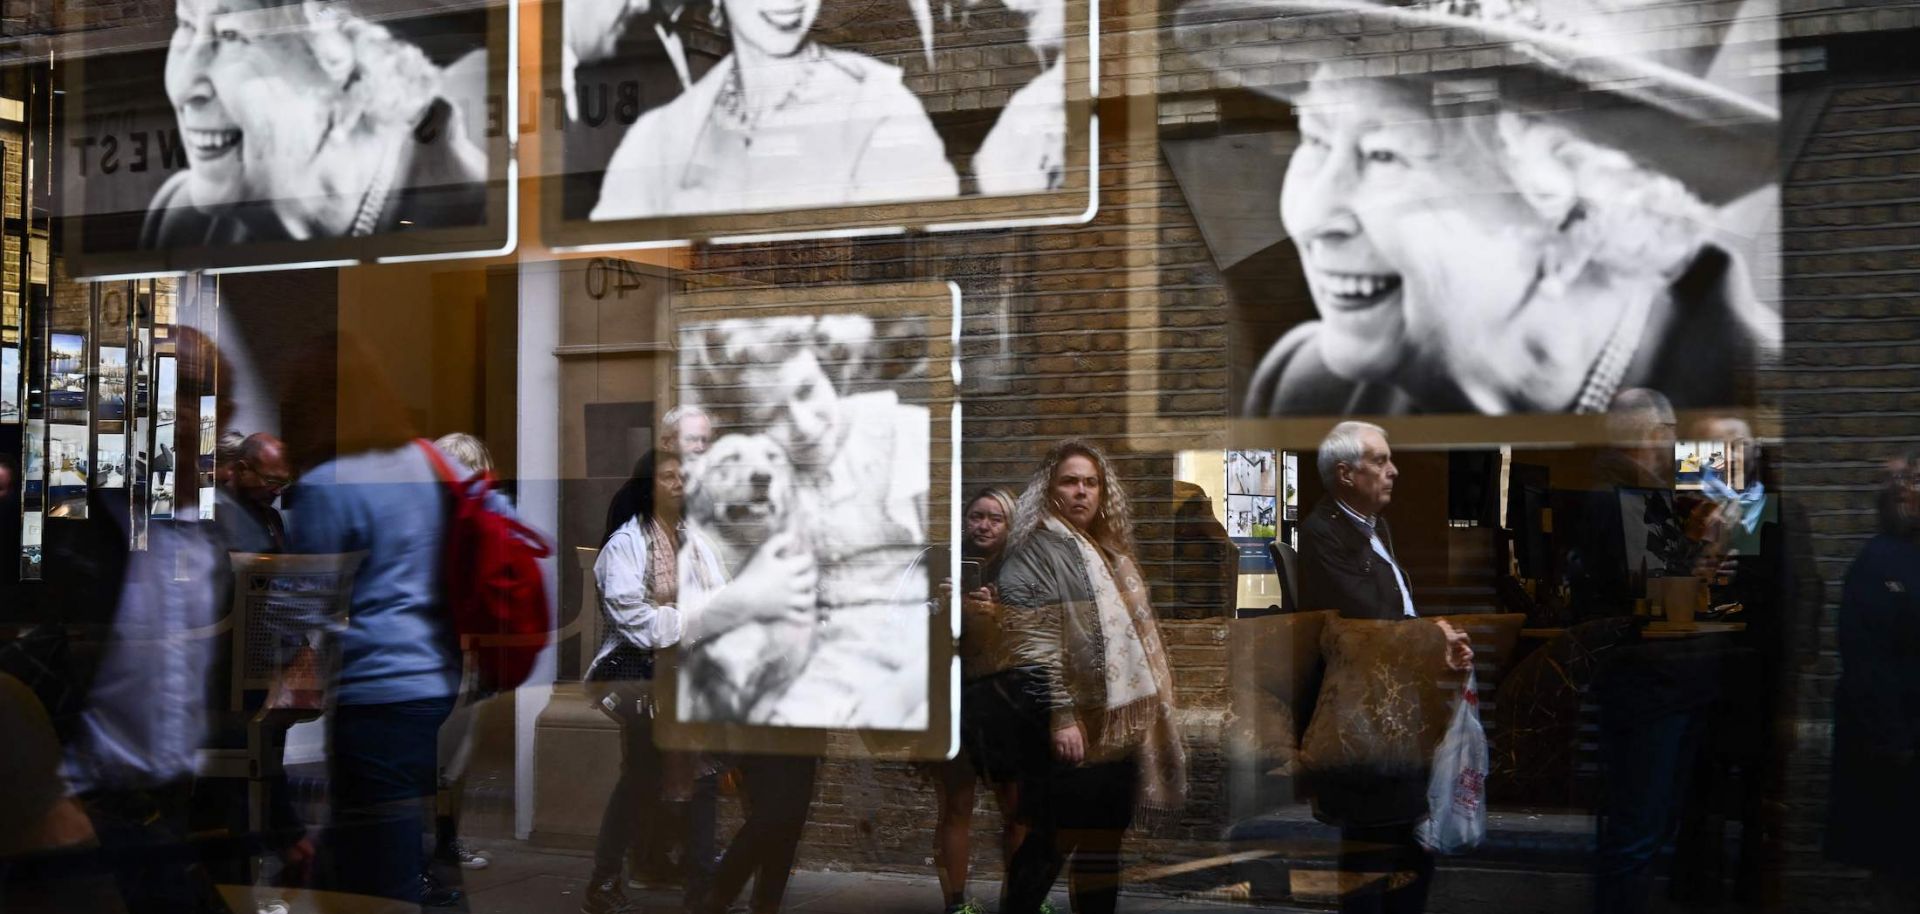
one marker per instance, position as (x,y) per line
(646,565)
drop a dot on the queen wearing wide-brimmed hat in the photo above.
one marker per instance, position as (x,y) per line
(1505,206)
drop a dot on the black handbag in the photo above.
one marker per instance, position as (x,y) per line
(626,664)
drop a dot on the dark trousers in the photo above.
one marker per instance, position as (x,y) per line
(703,813)
(1648,764)
(779,790)
(144,840)
(1399,870)
(383,774)
(636,812)
(1077,818)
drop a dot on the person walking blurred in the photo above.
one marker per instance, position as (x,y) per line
(400,662)
(455,748)
(1876,709)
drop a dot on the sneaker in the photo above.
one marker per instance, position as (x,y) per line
(458,851)
(605,897)
(436,894)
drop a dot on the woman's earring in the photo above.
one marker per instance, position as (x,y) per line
(1567,256)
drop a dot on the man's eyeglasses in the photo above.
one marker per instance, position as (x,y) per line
(276,482)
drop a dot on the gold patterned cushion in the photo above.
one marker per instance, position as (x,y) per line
(1275,665)
(1383,701)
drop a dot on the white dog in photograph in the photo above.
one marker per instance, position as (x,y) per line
(738,496)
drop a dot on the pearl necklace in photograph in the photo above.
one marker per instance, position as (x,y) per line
(1603,379)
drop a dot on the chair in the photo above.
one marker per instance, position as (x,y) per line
(287,615)
(1285,564)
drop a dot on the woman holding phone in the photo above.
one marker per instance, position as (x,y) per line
(994,722)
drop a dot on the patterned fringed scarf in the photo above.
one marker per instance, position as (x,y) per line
(1139,713)
(663,567)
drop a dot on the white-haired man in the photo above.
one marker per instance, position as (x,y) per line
(688,431)
(1347,564)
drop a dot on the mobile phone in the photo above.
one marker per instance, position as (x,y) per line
(970,576)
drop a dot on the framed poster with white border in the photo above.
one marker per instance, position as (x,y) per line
(282,134)
(732,120)
(864,497)
(9,385)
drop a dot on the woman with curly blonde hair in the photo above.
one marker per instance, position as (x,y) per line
(302,120)
(1076,608)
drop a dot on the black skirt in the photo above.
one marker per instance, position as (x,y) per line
(1004,724)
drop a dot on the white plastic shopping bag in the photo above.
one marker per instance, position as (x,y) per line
(1457,793)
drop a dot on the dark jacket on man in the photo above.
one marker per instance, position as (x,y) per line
(1877,708)
(1339,569)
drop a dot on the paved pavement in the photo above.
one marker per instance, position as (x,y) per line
(524,880)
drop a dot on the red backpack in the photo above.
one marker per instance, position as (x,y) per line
(490,573)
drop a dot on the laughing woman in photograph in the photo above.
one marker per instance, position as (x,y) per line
(1508,255)
(784,122)
(301,120)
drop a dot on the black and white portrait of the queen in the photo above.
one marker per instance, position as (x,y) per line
(267,131)
(1501,206)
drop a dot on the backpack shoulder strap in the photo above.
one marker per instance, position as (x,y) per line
(440,466)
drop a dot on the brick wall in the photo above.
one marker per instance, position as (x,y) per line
(1847,385)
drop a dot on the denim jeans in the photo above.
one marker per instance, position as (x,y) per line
(635,815)
(383,774)
(1648,764)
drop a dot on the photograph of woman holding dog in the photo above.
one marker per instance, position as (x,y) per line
(826,469)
